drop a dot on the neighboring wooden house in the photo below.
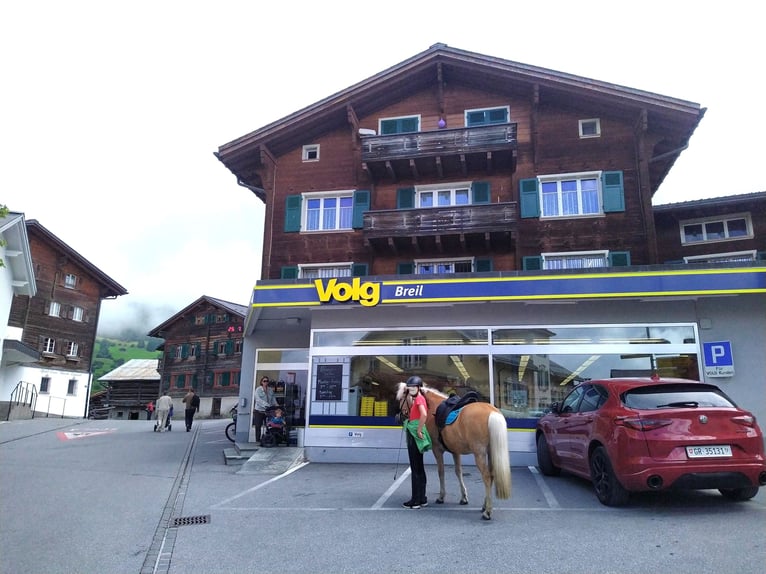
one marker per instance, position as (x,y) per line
(203,351)
(130,387)
(60,322)
(719,229)
(17,396)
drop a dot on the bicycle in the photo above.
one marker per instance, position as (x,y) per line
(231,428)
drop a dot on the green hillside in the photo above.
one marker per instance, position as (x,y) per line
(111,353)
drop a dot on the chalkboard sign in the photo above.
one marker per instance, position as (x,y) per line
(329,383)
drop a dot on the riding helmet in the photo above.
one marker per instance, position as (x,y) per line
(414,381)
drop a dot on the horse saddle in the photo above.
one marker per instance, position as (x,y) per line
(453,403)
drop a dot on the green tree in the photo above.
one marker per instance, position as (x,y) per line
(3,214)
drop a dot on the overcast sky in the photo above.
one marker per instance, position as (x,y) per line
(110,111)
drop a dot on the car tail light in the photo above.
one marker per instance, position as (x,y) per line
(744,420)
(637,423)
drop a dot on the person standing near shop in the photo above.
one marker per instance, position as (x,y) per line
(417,435)
(164,404)
(191,400)
(264,399)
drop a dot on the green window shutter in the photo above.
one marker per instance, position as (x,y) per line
(359,269)
(405,268)
(361,204)
(388,127)
(483,265)
(184,351)
(194,380)
(229,347)
(619,258)
(532,263)
(198,354)
(614,191)
(292,213)
(224,379)
(480,192)
(760,256)
(290,272)
(529,198)
(405,198)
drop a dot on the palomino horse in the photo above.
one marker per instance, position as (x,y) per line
(480,429)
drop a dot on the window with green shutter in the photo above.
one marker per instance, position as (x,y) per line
(487,116)
(405,198)
(480,192)
(402,125)
(293,213)
(529,198)
(361,204)
(613,191)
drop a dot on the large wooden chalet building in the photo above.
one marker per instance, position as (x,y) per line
(487,225)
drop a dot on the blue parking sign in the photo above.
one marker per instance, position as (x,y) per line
(718,358)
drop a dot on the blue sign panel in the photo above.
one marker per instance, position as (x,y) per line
(719,360)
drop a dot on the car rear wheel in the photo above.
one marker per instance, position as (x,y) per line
(608,489)
(739,494)
(544,461)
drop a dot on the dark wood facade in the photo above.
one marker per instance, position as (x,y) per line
(640,136)
(61,320)
(733,229)
(203,351)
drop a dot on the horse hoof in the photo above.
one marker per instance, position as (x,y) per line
(486,516)
(439,501)
(464,502)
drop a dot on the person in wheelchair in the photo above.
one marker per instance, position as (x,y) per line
(275,429)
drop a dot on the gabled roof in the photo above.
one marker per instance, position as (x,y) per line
(18,258)
(673,118)
(713,201)
(110,287)
(234,308)
(134,370)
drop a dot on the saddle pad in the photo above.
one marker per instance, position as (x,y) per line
(452,417)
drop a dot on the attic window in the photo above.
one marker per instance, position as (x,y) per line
(311,152)
(590,128)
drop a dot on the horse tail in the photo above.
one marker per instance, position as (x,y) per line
(498,455)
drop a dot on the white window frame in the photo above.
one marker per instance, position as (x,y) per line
(487,109)
(435,192)
(49,345)
(71,389)
(568,177)
(704,221)
(71,349)
(310,153)
(70,281)
(321,270)
(45,385)
(748,255)
(179,352)
(77,314)
(200,319)
(339,211)
(422,264)
(596,122)
(571,257)
(54,309)
(406,117)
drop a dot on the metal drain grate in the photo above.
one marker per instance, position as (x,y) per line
(190,520)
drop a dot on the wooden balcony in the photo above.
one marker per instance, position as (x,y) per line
(466,229)
(441,153)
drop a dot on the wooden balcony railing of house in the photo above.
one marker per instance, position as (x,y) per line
(440,153)
(436,228)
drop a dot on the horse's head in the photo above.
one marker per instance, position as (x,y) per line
(401,391)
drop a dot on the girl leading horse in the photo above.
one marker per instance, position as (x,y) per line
(480,428)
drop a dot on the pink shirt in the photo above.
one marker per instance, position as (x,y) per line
(415,410)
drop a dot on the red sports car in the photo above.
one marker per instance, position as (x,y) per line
(629,435)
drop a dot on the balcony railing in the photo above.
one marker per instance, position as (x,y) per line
(452,141)
(441,152)
(399,229)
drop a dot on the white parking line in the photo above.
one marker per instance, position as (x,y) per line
(391,489)
(259,486)
(549,497)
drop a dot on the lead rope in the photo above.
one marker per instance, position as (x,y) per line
(401,437)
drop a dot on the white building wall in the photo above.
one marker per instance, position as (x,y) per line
(57,401)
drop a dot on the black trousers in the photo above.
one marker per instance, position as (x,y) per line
(258,418)
(189,417)
(417,469)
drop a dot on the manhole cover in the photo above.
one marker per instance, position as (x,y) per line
(189,520)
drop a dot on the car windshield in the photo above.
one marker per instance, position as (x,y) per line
(670,396)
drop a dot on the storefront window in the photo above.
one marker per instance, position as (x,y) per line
(403,338)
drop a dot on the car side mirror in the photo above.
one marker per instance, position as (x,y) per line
(555,408)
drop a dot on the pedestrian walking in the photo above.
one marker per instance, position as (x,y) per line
(191,400)
(149,410)
(164,404)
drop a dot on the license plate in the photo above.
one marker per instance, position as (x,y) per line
(708,451)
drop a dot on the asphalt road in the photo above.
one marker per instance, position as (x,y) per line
(114,497)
